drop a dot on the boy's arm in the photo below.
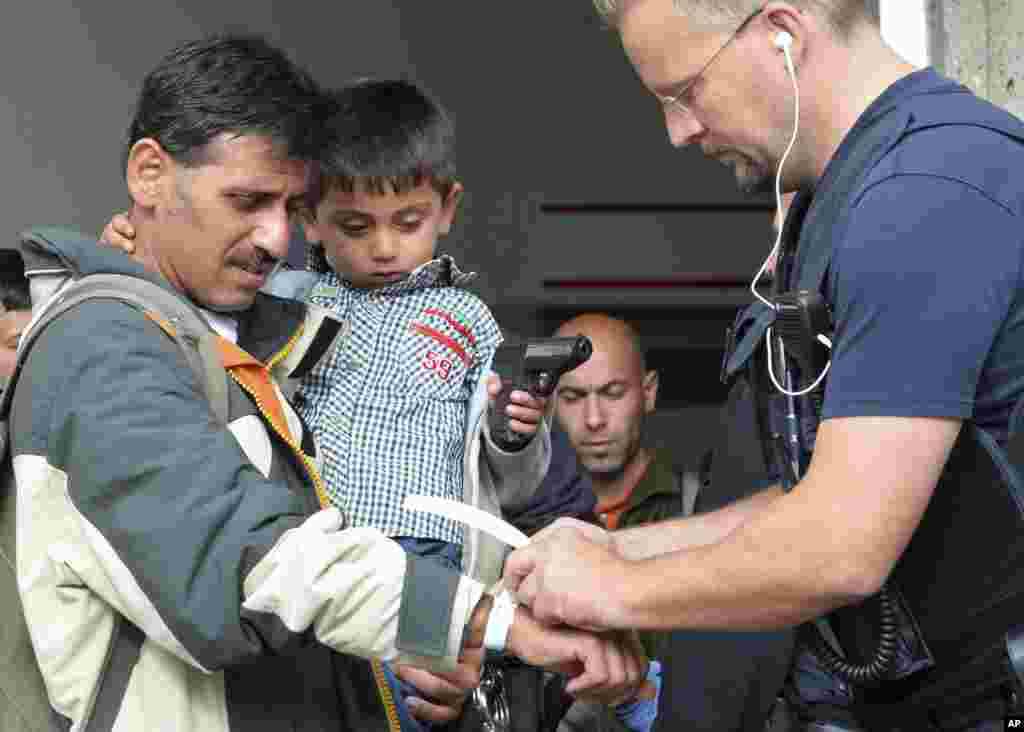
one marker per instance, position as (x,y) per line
(516,475)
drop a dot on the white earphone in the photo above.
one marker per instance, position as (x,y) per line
(783,41)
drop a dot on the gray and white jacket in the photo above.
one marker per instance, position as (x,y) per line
(139,515)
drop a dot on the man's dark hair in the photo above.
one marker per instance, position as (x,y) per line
(385,136)
(227,83)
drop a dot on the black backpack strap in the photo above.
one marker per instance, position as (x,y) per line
(745,335)
(121,659)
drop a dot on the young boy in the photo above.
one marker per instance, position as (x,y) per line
(391,409)
(400,406)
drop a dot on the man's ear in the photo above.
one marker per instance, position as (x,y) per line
(449,207)
(650,390)
(148,171)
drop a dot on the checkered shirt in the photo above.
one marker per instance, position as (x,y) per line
(388,405)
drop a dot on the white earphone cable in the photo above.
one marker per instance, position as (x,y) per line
(784,45)
(778,176)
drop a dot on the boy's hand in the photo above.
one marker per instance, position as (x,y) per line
(120,234)
(444,694)
(602,668)
(525,410)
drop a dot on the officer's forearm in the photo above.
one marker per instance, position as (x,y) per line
(765,575)
(672,536)
(831,541)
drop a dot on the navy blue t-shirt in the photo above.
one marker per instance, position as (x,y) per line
(925,287)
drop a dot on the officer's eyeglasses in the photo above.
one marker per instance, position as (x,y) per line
(678,102)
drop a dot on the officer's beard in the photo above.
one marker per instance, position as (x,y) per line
(755,180)
(757,185)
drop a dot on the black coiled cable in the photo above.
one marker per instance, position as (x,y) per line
(881,660)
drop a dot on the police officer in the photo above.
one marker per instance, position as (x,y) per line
(908,225)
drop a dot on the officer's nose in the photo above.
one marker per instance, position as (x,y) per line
(683,127)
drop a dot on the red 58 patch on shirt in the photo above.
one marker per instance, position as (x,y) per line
(452,342)
(434,361)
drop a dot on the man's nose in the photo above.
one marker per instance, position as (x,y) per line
(593,413)
(274,233)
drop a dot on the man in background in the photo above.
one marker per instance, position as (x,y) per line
(711,680)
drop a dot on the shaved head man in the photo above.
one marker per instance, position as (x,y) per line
(603,403)
(718,681)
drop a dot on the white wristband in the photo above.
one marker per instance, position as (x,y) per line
(499,622)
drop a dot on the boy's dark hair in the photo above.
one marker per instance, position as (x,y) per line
(228,83)
(386,136)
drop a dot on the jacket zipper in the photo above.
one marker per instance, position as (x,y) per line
(383,689)
(385,695)
(283,353)
(307,462)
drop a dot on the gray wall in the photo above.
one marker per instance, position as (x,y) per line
(981,44)
(70,73)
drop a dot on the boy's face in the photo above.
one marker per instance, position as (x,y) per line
(374,240)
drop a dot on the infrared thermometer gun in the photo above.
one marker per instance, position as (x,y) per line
(535,366)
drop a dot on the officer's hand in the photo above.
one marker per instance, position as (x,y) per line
(564,577)
(119,233)
(525,410)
